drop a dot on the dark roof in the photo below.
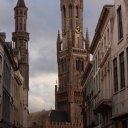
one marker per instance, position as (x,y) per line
(20,3)
(58,116)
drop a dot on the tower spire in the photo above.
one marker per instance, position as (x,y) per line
(87,40)
(21,3)
(20,38)
(58,42)
(58,37)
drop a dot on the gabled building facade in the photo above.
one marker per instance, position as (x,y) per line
(87,83)
(109,49)
(100,50)
(14,75)
(11,89)
(119,59)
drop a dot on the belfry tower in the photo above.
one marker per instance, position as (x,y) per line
(20,38)
(72,57)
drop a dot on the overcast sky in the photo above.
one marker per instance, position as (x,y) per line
(43,23)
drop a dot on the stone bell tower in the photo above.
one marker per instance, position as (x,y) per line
(72,57)
(20,38)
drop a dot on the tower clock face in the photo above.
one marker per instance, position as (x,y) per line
(78,29)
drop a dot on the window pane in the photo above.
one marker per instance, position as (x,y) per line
(115,75)
(120,26)
(122,70)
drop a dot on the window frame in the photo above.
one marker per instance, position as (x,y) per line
(119,23)
(122,70)
(115,75)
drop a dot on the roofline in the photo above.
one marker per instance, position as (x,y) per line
(105,8)
(97,35)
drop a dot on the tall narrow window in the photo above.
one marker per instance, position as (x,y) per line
(70,15)
(20,26)
(62,66)
(127,66)
(77,12)
(127,55)
(65,69)
(115,75)
(26,45)
(77,43)
(120,25)
(16,27)
(79,65)
(82,65)
(70,11)
(122,70)
(24,27)
(62,46)
(0,63)
(64,16)
(105,44)
(108,35)
(98,57)
(96,63)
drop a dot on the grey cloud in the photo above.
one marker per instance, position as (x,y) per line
(92,12)
(41,96)
(43,22)
(45,59)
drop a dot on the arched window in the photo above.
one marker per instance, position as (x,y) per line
(63,65)
(64,16)
(77,12)
(70,14)
(64,12)
(24,27)
(79,64)
(70,11)
(61,46)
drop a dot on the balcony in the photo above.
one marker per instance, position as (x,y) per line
(103,101)
(20,35)
(78,50)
